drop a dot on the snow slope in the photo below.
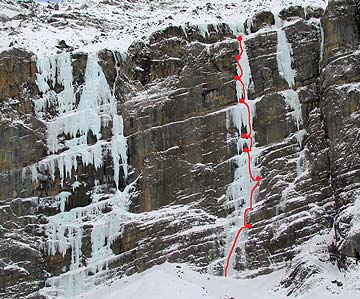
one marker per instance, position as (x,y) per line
(91,25)
(178,281)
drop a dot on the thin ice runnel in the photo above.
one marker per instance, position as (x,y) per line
(284,61)
(96,106)
(238,193)
(284,54)
(291,98)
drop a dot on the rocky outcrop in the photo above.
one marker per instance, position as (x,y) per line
(22,135)
(340,108)
(17,73)
(21,258)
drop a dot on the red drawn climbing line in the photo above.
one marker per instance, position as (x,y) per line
(246,150)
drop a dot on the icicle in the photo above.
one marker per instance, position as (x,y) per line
(299,135)
(96,109)
(283,54)
(237,28)
(66,98)
(322,42)
(46,73)
(62,198)
(203,30)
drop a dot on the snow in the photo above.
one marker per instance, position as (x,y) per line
(116,24)
(291,98)
(179,281)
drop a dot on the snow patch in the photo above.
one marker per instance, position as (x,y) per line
(291,98)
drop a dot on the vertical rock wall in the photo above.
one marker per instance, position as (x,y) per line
(72,213)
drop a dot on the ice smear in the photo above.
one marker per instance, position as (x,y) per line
(321,43)
(291,98)
(34,173)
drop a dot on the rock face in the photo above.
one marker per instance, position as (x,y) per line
(340,105)
(293,158)
(80,203)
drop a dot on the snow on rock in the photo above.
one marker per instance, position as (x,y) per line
(291,98)
(116,24)
(349,242)
(312,270)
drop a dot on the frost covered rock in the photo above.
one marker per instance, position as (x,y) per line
(340,105)
(259,21)
(292,12)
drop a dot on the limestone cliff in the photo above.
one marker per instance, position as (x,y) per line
(113,162)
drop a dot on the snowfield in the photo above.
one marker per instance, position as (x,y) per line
(178,281)
(92,25)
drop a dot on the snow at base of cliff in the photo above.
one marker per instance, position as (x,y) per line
(178,281)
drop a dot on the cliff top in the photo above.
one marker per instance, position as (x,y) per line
(91,25)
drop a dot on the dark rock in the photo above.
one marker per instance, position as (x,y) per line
(62,45)
(292,12)
(341,34)
(259,21)
(17,73)
(265,74)
(305,38)
(313,12)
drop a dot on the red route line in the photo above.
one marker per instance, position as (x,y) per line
(245,149)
